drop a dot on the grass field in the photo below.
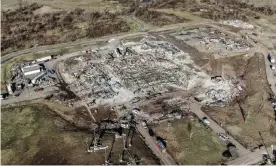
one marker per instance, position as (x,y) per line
(34,134)
(31,134)
(203,148)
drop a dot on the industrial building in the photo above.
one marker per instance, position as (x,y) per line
(38,77)
(33,69)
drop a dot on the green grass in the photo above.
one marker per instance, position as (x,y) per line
(20,133)
(203,148)
(32,134)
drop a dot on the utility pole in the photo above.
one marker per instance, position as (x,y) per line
(265,146)
(105,162)
(241,109)
(94,142)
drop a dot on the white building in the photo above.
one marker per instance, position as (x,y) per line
(29,70)
(38,77)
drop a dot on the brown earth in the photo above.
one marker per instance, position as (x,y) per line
(216,9)
(158,18)
(254,104)
(104,113)
(23,28)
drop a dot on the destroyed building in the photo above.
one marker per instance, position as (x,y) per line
(140,70)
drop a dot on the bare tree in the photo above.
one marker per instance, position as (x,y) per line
(20,4)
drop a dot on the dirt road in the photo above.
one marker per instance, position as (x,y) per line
(269,72)
(163,156)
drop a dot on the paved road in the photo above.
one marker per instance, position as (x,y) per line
(269,72)
(163,156)
(196,108)
(250,158)
(246,157)
(29,95)
(102,39)
(64,45)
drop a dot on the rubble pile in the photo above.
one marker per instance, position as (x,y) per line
(137,71)
(220,93)
(212,41)
(237,23)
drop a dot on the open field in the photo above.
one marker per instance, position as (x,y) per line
(203,148)
(51,22)
(26,28)
(255,106)
(31,130)
(90,5)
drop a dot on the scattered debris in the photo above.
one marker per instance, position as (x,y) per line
(237,23)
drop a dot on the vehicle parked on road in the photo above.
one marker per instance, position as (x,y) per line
(205,120)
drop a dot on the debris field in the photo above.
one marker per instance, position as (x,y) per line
(212,41)
(130,72)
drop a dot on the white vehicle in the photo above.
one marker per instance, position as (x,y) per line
(223,137)
(111,40)
(272,60)
(144,125)
(206,121)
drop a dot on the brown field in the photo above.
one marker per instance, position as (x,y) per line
(90,5)
(255,105)
(24,28)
